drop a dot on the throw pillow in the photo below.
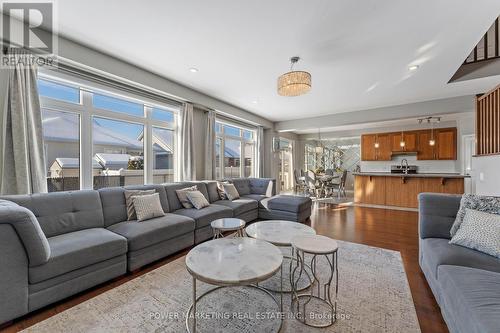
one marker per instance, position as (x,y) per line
(197,199)
(182,195)
(131,215)
(231,192)
(220,189)
(148,206)
(477,202)
(479,231)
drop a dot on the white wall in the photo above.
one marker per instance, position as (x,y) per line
(486,172)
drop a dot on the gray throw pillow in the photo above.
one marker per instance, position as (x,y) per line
(182,195)
(231,192)
(197,199)
(131,215)
(148,206)
(477,202)
(479,231)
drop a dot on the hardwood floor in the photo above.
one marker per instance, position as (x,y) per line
(390,229)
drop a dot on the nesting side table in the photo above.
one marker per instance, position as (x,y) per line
(228,224)
(316,246)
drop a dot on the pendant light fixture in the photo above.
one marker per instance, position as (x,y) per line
(402,143)
(294,83)
(432,142)
(319,148)
(377,144)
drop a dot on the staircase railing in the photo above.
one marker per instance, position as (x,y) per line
(488,47)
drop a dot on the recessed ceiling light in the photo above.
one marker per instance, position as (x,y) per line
(413,67)
(193,70)
(255,102)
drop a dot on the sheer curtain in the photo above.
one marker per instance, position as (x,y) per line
(210,146)
(23,163)
(187,154)
(260,151)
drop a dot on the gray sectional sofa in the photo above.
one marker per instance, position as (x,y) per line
(55,245)
(465,282)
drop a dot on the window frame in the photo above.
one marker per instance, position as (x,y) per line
(87,112)
(242,140)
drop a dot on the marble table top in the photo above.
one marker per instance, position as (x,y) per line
(277,232)
(315,244)
(234,261)
(228,224)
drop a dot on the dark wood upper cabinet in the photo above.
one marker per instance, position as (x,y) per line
(388,144)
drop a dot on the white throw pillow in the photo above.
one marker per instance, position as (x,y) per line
(131,215)
(231,192)
(148,206)
(182,195)
(482,203)
(479,231)
(197,199)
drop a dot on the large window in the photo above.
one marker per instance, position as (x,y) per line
(235,151)
(96,138)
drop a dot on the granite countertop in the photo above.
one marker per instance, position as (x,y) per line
(417,175)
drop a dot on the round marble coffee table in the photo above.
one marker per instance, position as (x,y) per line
(232,262)
(317,246)
(280,233)
(228,224)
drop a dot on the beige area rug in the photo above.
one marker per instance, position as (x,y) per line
(374,296)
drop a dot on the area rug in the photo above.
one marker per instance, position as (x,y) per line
(374,296)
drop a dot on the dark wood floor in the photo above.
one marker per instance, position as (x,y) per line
(389,229)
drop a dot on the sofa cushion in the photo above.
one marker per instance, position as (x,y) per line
(205,216)
(213,192)
(242,185)
(289,203)
(63,212)
(147,233)
(476,202)
(114,206)
(129,202)
(256,197)
(263,186)
(471,297)
(173,200)
(239,206)
(78,249)
(437,251)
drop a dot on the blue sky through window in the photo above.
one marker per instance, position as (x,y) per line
(58,91)
(118,105)
(129,130)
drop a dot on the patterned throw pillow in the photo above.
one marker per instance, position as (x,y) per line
(476,202)
(197,199)
(231,192)
(182,195)
(220,189)
(479,231)
(131,215)
(148,206)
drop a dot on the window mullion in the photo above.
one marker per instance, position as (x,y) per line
(148,147)
(86,153)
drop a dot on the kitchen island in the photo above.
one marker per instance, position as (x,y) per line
(401,190)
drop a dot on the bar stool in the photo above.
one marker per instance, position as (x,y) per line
(317,246)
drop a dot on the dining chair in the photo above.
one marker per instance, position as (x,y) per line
(340,186)
(300,183)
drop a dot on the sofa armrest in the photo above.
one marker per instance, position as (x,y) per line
(436,214)
(28,230)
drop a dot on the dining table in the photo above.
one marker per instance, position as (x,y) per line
(323,181)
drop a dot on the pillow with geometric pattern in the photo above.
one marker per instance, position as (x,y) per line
(479,231)
(148,206)
(482,203)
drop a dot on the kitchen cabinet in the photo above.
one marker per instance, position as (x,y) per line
(368,189)
(410,139)
(445,147)
(446,144)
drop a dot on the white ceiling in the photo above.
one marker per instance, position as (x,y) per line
(358,51)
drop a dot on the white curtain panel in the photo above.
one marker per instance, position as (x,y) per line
(260,151)
(210,146)
(187,153)
(23,163)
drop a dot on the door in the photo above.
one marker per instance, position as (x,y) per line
(447,144)
(468,151)
(368,152)
(425,151)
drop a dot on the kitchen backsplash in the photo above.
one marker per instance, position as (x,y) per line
(423,166)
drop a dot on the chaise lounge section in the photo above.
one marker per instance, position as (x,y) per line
(54,245)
